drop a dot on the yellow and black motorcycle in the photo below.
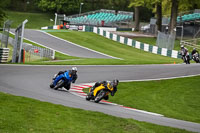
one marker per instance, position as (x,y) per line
(100,92)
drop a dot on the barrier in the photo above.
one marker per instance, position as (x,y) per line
(4,54)
(43,52)
(136,44)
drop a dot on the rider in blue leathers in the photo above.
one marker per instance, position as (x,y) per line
(69,75)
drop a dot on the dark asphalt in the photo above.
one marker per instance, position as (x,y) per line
(33,82)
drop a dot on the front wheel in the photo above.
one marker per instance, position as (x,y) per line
(197,60)
(100,96)
(89,96)
(188,60)
(51,85)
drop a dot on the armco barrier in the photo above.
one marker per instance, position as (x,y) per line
(136,44)
(4,54)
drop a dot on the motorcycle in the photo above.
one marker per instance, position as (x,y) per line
(99,93)
(195,57)
(64,81)
(186,58)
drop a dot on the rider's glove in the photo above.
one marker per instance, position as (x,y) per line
(112,93)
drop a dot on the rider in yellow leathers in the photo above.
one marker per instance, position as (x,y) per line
(111,84)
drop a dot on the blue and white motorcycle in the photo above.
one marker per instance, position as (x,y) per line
(62,80)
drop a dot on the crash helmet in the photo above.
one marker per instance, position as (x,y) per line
(194,48)
(182,46)
(74,69)
(115,82)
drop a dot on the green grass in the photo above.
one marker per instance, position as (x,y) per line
(152,41)
(35,20)
(22,115)
(177,98)
(128,54)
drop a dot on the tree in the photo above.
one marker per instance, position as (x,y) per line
(60,6)
(2,15)
(188,5)
(136,4)
(157,10)
(174,13)
(159,15)
(3,4)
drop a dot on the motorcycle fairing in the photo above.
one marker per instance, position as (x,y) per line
(102,87)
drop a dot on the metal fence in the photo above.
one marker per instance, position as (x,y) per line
(33,53)
(5,34)
(165,40)
(191,39)
(19,34)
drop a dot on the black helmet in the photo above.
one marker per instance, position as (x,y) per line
(115,82)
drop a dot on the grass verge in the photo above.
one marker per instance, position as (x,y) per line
(35,20)
(177,98)
(19,114)
(128,54)
(152,41)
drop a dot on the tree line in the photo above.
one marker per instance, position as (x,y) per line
(143,9)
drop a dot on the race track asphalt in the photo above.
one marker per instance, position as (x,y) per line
(33,81)
(61,45)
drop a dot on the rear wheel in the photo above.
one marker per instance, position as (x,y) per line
(100,96)
(59,84)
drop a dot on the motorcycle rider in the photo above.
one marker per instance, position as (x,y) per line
(71,73)
(194,51)
(113,84)
(185,54)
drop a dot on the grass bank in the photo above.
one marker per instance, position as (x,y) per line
(35,20)
(19,114)
(128,54)
(152,41)
(177,98)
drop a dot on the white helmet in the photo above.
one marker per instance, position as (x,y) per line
(74,69)
(182,46)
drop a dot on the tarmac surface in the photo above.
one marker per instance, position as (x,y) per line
(33,81)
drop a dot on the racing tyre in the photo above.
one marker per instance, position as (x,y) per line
(51,85)
(88,98)
(59,84)
(197,60)
(100,96)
